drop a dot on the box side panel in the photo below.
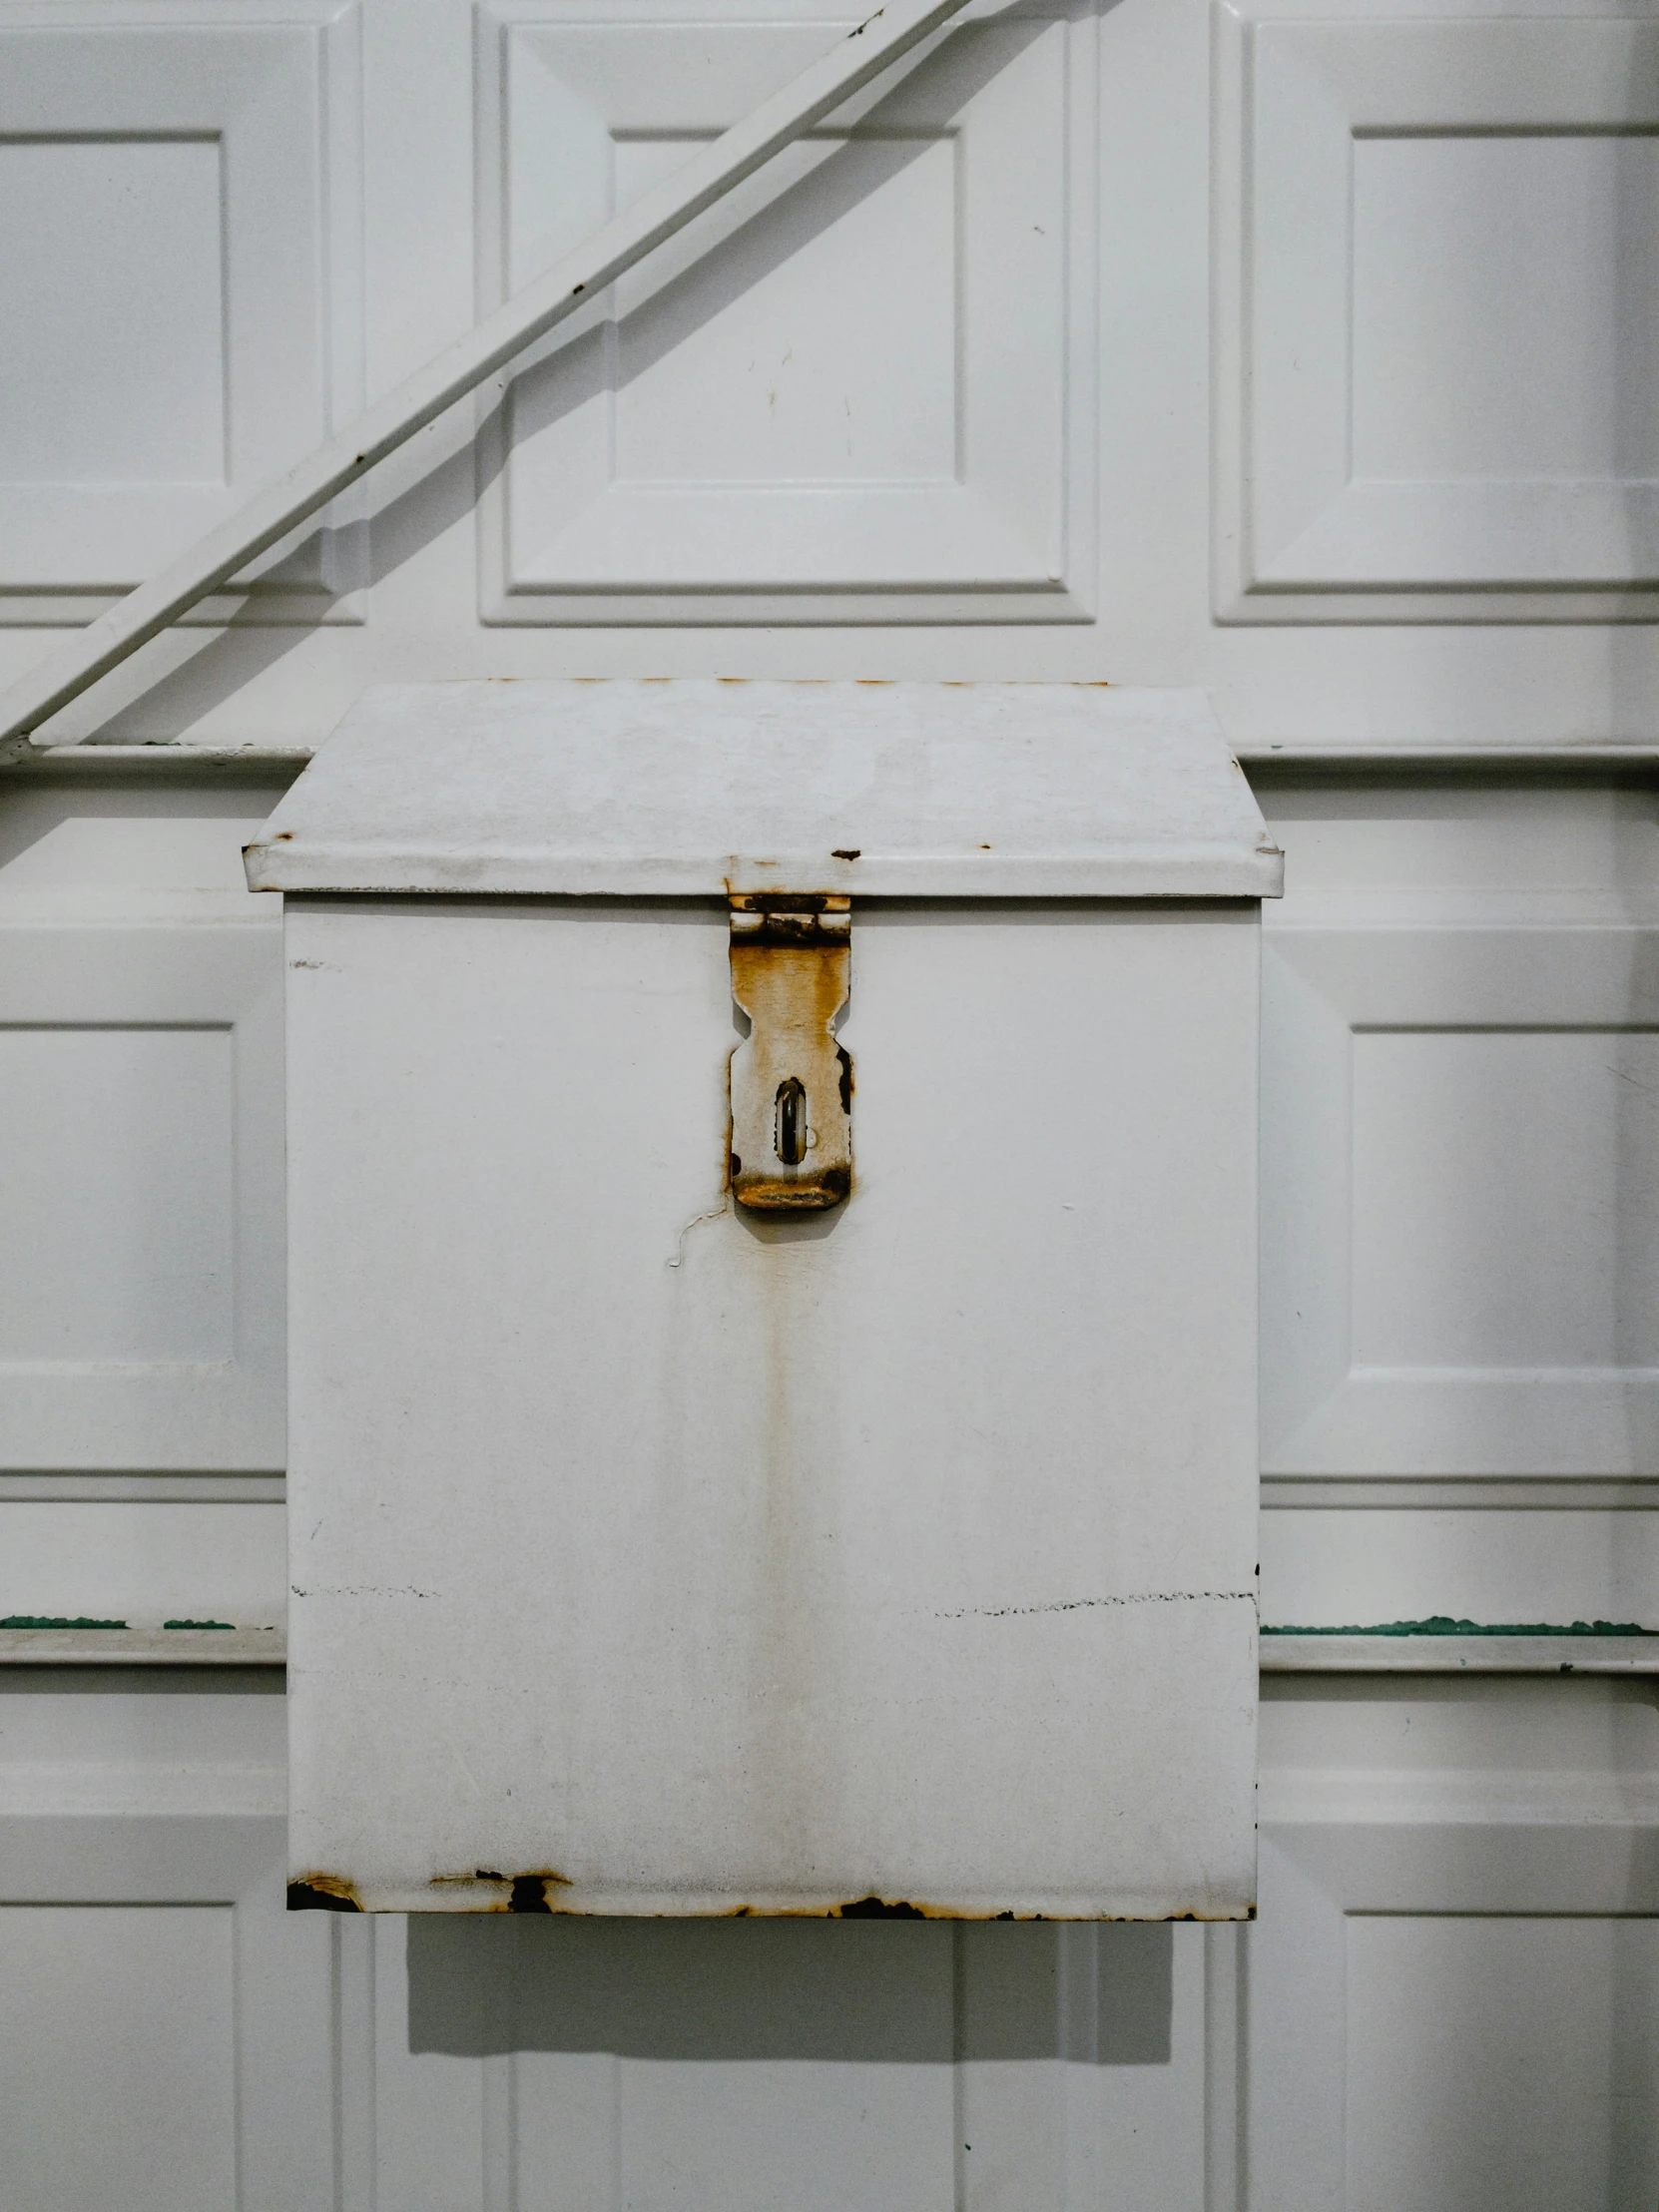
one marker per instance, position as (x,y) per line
(684,1562)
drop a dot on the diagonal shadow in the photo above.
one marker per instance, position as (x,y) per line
(728,266)
(729,263)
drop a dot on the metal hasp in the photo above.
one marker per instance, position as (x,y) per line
(791,1081)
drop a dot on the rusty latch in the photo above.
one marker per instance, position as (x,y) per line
(791,1083)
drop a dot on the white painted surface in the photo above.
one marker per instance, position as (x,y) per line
(141,1316)
(133,227)
(1425,1649)
(439,2063)
(167,1977)
(1524,243)
(870,372)
(904,1587)
(140,1120)
(124,1748)
(287,503)
(161,2134)
(1564,2014)
(1325,1567)
(1334,667)
(144,1562)
(183,267)
(899,790)
(1431,200)
(1460,1047)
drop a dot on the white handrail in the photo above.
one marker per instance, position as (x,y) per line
(849,65)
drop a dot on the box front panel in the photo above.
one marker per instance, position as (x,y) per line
(681,1561)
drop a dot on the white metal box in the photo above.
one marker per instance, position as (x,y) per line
(655,1553)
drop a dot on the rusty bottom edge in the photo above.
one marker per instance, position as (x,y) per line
(540,1891)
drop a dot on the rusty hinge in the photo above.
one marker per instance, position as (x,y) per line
(791,1083)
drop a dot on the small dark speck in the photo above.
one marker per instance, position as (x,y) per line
(984,849)
(847,851)
(575,288)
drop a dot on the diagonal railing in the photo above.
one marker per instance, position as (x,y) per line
(599,261)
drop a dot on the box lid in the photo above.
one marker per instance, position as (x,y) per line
(633,787)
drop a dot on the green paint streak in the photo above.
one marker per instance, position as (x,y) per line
(198,1624)
(1442,1624)
(42,1620)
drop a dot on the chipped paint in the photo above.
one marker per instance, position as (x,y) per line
(56,1620)
(1087,1604)
(538,1893)
(523,1893)
(322,1893)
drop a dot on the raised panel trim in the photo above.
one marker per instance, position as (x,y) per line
(1322,1414)
(889,553)
(263,53)
(287,1975)
(1294,78)
(1315,1874)
(220,1417)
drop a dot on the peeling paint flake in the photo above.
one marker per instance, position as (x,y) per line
(1142,1597)
(56,1620)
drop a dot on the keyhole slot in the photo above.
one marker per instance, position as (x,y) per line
(789,1139)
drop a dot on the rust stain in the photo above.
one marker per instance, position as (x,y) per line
(771,903)
(323,1893)
(771,919)
(876,1907)
(536,1890)
(526,1892)
(529,1894)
